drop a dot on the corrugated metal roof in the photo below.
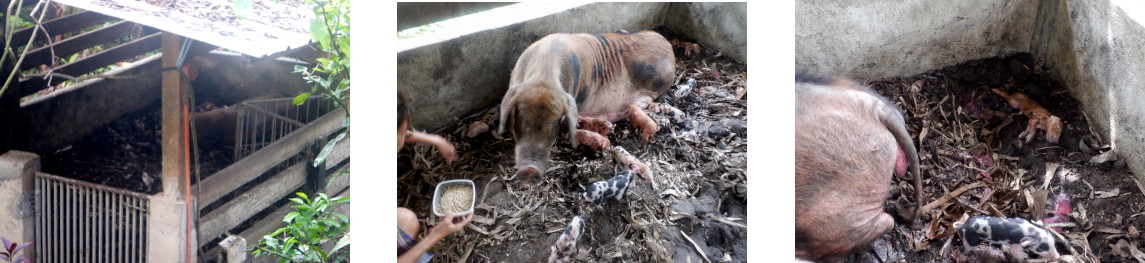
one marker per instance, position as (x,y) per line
(269,27)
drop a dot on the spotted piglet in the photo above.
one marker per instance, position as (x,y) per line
(566,244)
(616,186)
(1016,235)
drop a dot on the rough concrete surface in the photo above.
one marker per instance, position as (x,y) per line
(1093,47)
(16,213)
(875,39)
(1098,52)
(722,26)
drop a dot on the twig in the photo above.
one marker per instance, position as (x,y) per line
(702,254)
(725,221)
(946,198)
(467,252)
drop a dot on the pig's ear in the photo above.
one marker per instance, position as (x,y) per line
(1026,241)
(570,116)
(508,105)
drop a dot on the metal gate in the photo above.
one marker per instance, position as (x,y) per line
(263,121)
(79,221)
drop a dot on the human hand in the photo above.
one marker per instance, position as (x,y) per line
(447,152)
(449,224)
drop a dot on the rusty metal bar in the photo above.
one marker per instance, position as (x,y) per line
(85,222)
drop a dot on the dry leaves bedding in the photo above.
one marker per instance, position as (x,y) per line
(698,210)
(973,163)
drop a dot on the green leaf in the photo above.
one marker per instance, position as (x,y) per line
(290,217)
(333,178)
(319,34)
(296,200)
(299,69)
(301,98)
(327,149)
(303,195)
(322,253)
(241,8)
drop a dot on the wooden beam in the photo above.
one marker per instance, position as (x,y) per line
(67,47)
(59,26)
(67,115)
(242,171)
(93,62)
(251,202)
(273,221)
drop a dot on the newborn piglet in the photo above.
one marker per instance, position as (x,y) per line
(615,187)
(603,127)
(673,114)
(684,88)
(627,161)
(1040,118)
(1017,236)
(592,140)
(566,244)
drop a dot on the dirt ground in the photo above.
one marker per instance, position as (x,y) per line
(973,163)
(698,210)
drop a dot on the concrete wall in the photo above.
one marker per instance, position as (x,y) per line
(1098,51)
(883,38)
(1093,47)
(719,26)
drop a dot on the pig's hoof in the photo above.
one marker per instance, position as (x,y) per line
(529,176)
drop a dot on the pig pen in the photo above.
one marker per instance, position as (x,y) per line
(698,213)
(974,163)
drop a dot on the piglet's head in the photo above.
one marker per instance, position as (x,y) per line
(1041,244)
(534,114)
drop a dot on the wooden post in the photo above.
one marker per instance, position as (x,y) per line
(315,173)
(170,236)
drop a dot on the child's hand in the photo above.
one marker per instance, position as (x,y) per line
(443,146)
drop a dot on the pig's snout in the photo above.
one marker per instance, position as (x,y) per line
(532,160)
(529,175)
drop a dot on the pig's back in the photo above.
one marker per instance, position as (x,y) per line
(844,159)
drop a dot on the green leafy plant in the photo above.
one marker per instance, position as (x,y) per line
(331,76)
(11,249)
(306,230)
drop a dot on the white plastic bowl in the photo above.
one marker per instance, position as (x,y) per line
(442,185)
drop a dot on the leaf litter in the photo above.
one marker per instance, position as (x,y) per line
(697,213)
(974,163)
